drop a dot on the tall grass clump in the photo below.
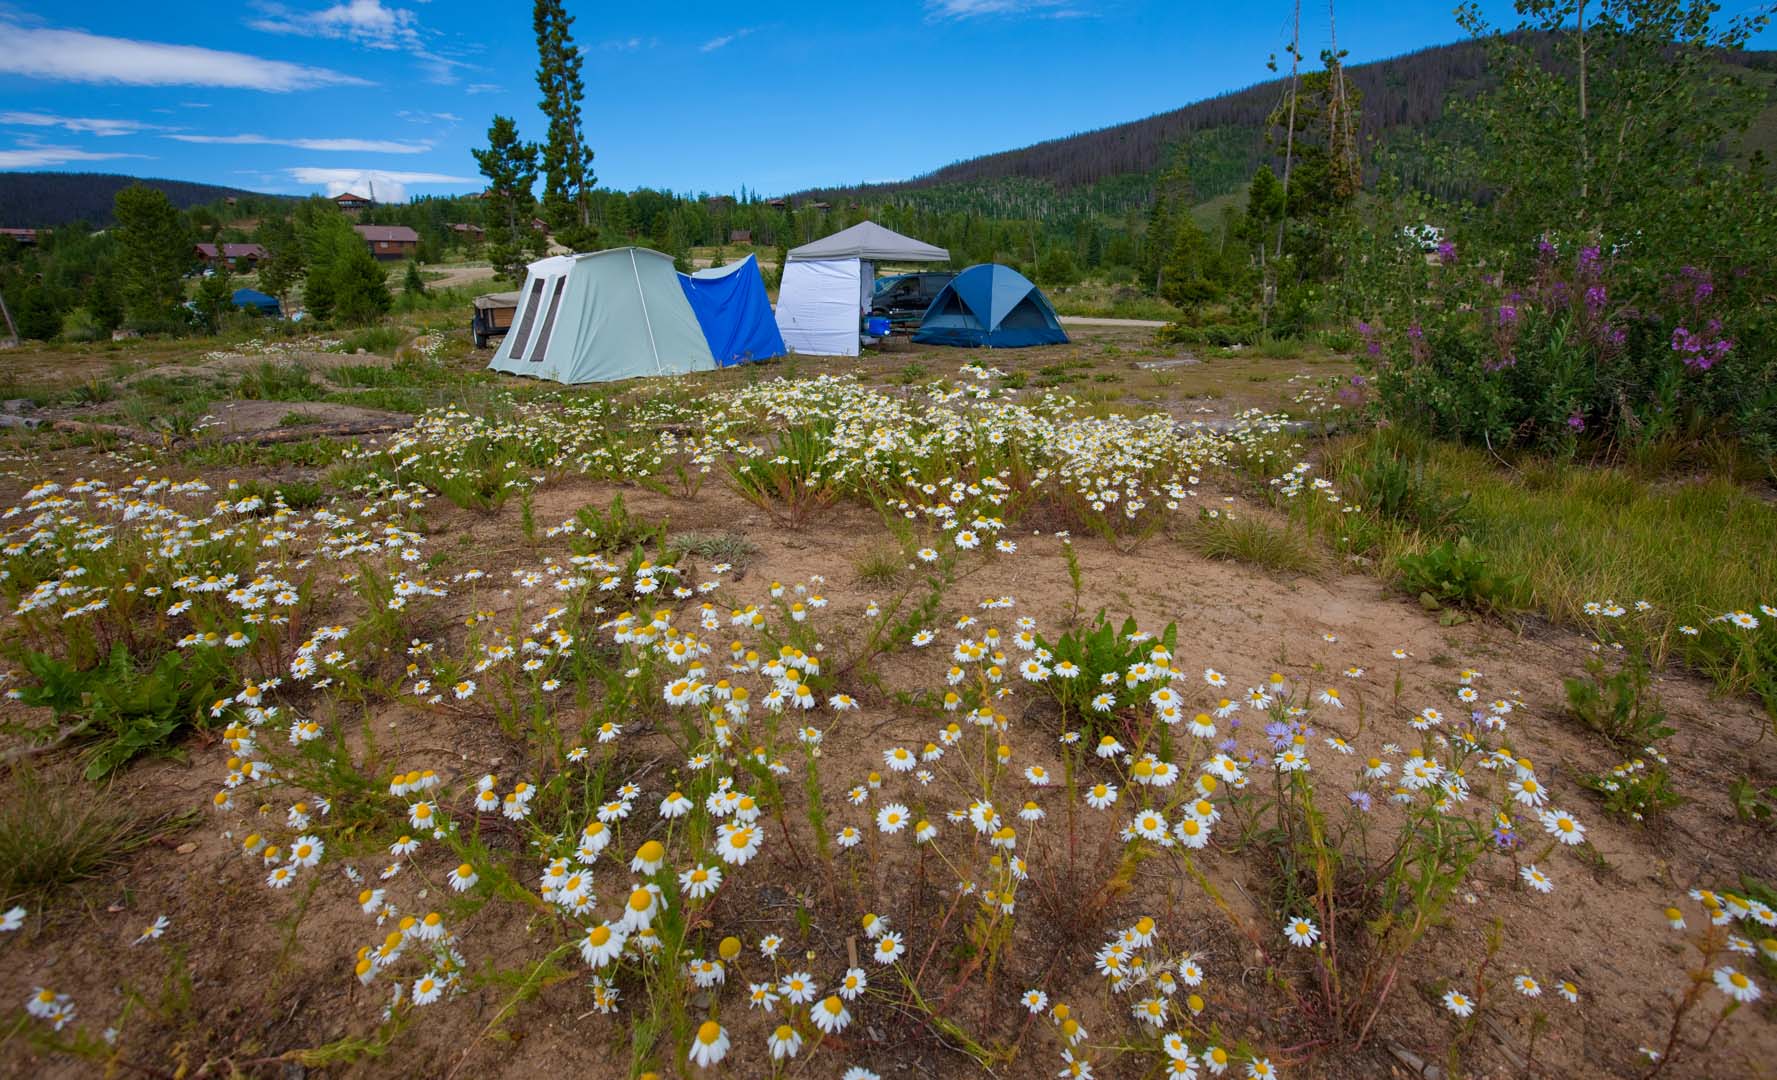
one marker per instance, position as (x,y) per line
(55,833)
(1255,542)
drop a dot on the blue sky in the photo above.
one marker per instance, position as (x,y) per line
(325,95)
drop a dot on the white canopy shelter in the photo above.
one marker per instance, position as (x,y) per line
(827,285)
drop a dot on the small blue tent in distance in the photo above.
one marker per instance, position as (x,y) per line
(255,301)
(730,305)
(993,306)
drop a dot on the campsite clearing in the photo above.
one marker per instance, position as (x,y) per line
(498,518)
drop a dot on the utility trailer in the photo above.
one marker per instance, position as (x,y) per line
(493,316)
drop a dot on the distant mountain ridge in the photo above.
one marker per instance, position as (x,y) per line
(1401,96)
(36,200)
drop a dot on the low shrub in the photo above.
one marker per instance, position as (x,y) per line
(1458,573)
(1617,705)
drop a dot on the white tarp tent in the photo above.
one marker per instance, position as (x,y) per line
(827,285)
(605,315)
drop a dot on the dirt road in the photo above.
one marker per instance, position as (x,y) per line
(461,275)
(1085,320)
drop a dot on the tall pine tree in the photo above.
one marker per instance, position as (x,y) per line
(511,168)
(568,178)
(153,253)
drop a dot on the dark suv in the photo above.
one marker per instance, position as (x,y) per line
(903,298)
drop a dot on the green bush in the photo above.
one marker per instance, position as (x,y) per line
(1457,573)
(1638,789)
(80,325)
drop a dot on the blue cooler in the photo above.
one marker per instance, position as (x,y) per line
(876,326)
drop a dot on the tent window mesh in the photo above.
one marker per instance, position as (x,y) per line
(542,347)
(1025,316)
(526,318)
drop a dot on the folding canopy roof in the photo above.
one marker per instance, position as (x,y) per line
(827,285)
(870,241)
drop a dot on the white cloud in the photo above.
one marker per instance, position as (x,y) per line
(77,56)
(390,186)
(33,157)
(483,88)
(369,23)
(350,146)
(80,125)
(420,116)
(970,9)
(723,40)
(622,45)
(363,22)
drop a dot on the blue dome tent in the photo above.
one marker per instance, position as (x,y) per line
(990,305)
(731,307)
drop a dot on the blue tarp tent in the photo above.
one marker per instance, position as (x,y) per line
(990,305)
(256,302)
(730,305)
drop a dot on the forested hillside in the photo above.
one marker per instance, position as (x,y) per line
(1223,139)
(40,199)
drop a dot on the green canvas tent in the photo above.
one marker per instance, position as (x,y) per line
(606,315)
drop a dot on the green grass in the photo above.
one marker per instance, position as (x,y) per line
(1277,348)
(1693,548)
(302,494)
(880,565)
(1256,542)
(313,454)
(382,340)
(391,398)
(56,830)
(1097,304)
(1570,535)
(406,372)
(279,382)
